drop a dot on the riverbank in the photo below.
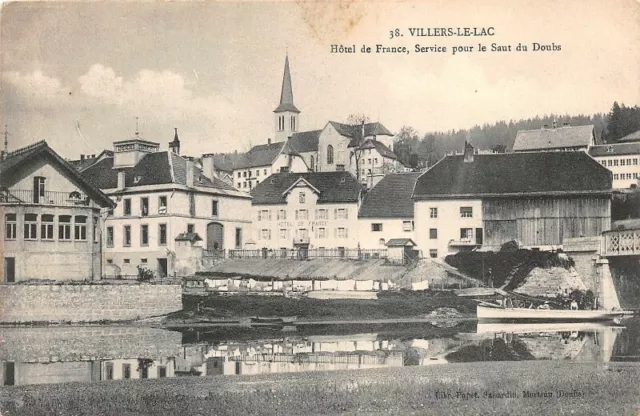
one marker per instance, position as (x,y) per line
(553,388)
(389,305)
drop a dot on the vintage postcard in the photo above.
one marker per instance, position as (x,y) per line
(320,207)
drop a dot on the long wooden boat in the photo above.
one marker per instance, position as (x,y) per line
(563,315)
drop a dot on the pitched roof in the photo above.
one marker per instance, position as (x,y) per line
(226,161)
(633,137)
(380,147)
(390,198)
(354,131)
(82,164)
(615,149)
(20,157)
(559,137)
(159,168)
(260,155)
(305,141)
(334,187)
(514,174)
(286,94)
(400,242)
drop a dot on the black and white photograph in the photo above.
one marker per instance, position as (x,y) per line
(362,207)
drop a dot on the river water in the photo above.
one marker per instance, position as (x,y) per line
(98,353)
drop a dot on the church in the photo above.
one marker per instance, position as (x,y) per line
(363,149)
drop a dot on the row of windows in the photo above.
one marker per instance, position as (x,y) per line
(144,235)
(623,176)
(619,162)
(465,234)
(465,212)
(407,226)
(69,227)
(244,184)
(248,172)
(319,232)
(281,123)
(162,206)
(303,214)
(126,371)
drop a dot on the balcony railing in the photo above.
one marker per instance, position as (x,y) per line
(463,242)
(622,243)
(27,196)
(303,254)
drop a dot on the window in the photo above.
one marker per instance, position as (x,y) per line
(95,230)
(466,234)
(108,369)
(191,228)
(466,212)
(80,229)
(341,232)
(280,123)
(265,234)
(322,233)
(622,162)
(46,227)
(162,205)
(376,227)
(312,165)
(433,212)
(144,206)
(30,226)
(284,234)
(341,214)
(11,226)
(214,208)
(615,162)
(282,214)
(381,242)
(329,155)
(162,234)
(265,172)
(369,161)
(244,184)
(239,174)
(109,261)
(238,237)
(433,233)
(110,236)
(127,261)
(126,370)
(302,233)
(264,215)
(628,162)
(144,235)
(322,214)
(143,261)
(127,207)
(38,189)
(239,185)
(604,163)
(407,226)
(302,197)
(635,161)
(293,123)
(162,371)
(609,163)
(126,242)
(433,253)
(375,161)
(64,227)
(616,176)
(302,214)
(244,174)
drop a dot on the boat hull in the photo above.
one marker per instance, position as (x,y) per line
(545,315)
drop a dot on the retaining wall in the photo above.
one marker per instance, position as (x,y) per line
(86,303)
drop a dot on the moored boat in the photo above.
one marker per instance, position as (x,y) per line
(530,314)
(275,320)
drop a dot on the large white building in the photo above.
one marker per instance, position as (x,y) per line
(313,210)
(51,218)
(622,159)
(159,196)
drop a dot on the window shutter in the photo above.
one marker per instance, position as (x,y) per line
(346,233)
(335,213)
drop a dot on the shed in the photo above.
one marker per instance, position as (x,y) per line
(400,250)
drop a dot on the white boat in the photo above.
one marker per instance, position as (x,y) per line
(563,315)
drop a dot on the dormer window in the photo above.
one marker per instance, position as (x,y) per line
(137,179)
(610,149)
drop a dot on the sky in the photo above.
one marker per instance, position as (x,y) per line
(79,74)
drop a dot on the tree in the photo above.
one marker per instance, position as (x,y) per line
(357,118)
(405,143)
(357,151)
(499,148)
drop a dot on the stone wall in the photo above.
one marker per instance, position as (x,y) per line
(86,343)
(86,303)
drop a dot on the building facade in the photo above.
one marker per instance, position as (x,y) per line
(622,160)
(160,195)
(387,211)
(306,210)
(537,198)
(51,218)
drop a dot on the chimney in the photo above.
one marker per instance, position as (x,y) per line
(121,178)
(81,158)
(189,173)
(208,166)
(269,141)
(468,152)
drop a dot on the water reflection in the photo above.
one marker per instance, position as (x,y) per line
(91,354)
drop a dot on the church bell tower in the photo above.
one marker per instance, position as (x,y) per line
(287,116)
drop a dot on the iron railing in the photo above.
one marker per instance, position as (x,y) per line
(28,196)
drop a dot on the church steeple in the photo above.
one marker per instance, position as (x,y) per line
(286,114)
(174,146)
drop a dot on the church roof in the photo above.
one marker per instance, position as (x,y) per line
(354,131)
(286,94)
(305,141)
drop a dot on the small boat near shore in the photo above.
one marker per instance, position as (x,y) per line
(530,314)
(274,320)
